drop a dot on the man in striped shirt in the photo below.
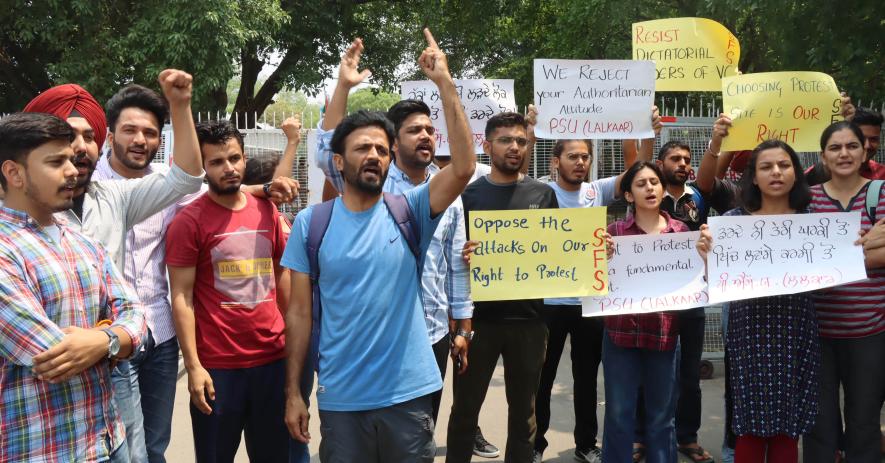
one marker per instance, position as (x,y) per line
(66,312)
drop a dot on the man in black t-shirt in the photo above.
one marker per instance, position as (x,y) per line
(512,329)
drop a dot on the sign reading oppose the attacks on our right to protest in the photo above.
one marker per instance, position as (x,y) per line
(651,273)
(690,54)
(791,106)
(766,255)
(480,98)
(537,253)
(594,99)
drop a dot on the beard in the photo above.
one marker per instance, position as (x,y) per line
(119,152)
(83,159)
(500,163)
(32,191)
(220,190)
(353,176)
(411,159)
(672,179)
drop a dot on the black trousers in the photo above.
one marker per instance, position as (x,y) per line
(586,342)
(441,351)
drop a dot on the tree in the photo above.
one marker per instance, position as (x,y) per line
(371,99)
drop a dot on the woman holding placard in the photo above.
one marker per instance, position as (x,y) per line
(772,344)
(641,349)
(852,316)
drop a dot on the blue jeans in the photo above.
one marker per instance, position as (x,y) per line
(157,371)
(128,400)
(625,371)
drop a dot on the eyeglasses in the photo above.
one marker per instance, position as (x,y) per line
(520,141)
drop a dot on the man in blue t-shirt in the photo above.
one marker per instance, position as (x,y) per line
(376,368)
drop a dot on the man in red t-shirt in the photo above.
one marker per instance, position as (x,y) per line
(223,254)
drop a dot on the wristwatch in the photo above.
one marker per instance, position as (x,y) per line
(266,188)
(113,343)
(468,335)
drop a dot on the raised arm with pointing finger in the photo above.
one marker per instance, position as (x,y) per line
(451,181)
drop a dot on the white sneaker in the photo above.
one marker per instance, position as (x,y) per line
(591,455)
(537,456)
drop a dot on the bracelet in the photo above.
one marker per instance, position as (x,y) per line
(266,188)
(715,155)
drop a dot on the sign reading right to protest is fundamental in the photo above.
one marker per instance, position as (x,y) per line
(652,273)
(594,99)
(791,106)
(537,253)
(480,98)
(766,255)
(690,54)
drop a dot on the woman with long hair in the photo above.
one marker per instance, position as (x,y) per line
(851,316)
(772,345)
(641,349)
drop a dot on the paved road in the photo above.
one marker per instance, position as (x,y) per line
(492,419)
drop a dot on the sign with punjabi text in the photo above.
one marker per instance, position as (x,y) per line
(766,255)
(480,98)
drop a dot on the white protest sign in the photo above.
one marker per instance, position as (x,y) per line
(316,179)
(766,255)
(480,98)
(652,273)
(595,99)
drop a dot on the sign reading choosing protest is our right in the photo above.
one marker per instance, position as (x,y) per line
(480,98)
(791,106)
(594,99)
(766,255)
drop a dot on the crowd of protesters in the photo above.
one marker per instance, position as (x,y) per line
(110,265)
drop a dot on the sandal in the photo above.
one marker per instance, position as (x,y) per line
(638,454)
(696,454)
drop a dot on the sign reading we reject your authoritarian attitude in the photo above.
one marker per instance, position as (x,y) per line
(594,99)
(538,253)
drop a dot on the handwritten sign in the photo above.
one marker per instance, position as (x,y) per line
(652,273)
(595,99)
(538,253)
(766,255)
(690,54)
(480,98)
(791,106)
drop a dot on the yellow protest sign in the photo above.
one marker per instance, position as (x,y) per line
(538,253)
(791,106)
(690,54)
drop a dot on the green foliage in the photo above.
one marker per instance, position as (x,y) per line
(371,99)
(296,44)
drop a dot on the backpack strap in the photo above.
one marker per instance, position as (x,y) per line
(319,222)
(874,192)
(399,209)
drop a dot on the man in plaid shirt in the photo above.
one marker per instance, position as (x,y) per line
(65,312)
